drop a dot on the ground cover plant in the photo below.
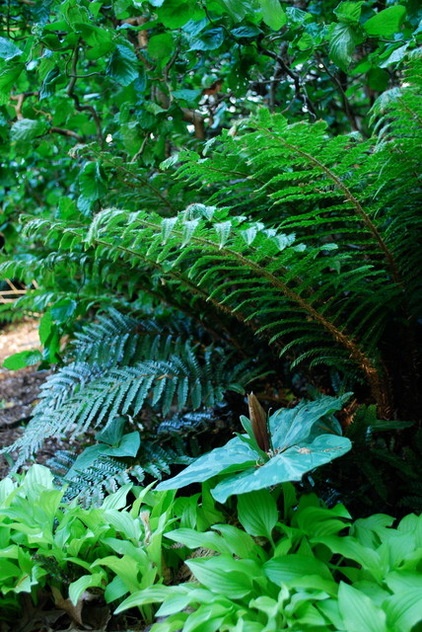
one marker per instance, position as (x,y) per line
(270,561)
(213,208)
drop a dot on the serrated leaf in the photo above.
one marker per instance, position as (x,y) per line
(208,40)
(49,83)
(161,46)
(348,12)
(123,65)
(223,230)
(92,185)
(26,130)
(189,96)
(8,76)
(273,14)
(175,15)
(238,9)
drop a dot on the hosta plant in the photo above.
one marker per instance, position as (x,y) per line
(59,551)
(310,570)
(297,440)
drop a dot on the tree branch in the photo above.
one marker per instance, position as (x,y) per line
(71,92)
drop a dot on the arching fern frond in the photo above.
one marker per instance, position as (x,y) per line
(144,367)
(260,276)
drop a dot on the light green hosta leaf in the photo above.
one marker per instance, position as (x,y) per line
(152,594)
(404,610)
(7,487)
(368,558)
(238,542)
(258,513)
(117,500)
(37,477)
(386,22)
(359,612)
(209,617)
(199,539)
(293,567)
(78,587)
(226,576)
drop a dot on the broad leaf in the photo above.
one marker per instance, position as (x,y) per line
(386,22)
(349,12)
(359,612)
(23,359)
(343,41)
(273,14)
(257,513)
(8,50)
(289,465)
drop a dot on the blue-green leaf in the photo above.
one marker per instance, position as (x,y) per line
(123,65)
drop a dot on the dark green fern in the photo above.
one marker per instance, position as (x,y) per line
(122,366)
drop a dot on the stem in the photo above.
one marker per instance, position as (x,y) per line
(71,92)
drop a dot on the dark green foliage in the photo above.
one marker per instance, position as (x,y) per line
(107,474)
(123,365)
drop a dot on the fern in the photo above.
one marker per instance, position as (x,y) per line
(322,285)
(90,485)
(310,243)
(138,367)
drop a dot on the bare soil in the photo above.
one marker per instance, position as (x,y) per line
(19,390)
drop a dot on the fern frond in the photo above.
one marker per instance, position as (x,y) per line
(254,272)
(116,381)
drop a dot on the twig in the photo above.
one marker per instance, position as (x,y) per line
(66,132)
(345,100)
(71,92)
